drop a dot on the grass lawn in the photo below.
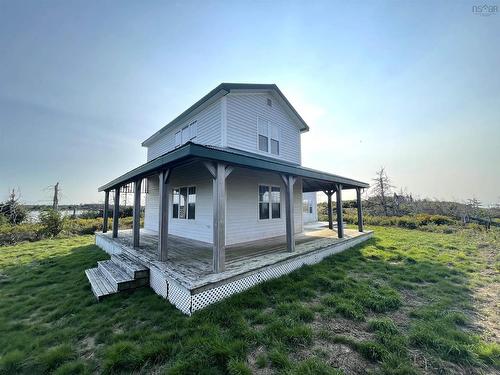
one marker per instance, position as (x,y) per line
(404,302)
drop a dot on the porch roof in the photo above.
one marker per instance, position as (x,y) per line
(312,180)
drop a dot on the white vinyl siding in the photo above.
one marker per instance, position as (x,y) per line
(309,207)
(199,228)
(242,208)
(203,128)
(242,213)
(243,113)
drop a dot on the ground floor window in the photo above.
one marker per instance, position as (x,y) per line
(184,202)
(269,202)
(307,206)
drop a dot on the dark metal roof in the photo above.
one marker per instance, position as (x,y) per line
(221,90)
(313,180)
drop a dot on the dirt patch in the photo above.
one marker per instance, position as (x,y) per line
(252,362)
(339,356)
(411,301)
(344,327)
(87,347)
(429,365)
(487,296)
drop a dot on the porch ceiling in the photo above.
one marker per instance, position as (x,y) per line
(313,180)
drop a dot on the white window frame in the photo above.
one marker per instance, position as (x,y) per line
(270,186)
(271,128)
(187,219)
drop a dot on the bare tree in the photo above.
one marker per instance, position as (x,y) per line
(55,200)
(382,189)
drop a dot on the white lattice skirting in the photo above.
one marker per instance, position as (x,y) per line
(189,301)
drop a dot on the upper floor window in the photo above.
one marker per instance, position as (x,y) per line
(186,134)
(184,203)
(269,137)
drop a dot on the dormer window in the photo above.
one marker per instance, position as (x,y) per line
(186,134)
(269,137)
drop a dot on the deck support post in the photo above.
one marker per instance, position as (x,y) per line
(136,223)
(219,172)
(105,212)
(289,180)
(329,194)
(116,211)
(360,209)
(340,215)
(163,212)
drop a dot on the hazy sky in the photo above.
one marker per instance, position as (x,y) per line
(412,86)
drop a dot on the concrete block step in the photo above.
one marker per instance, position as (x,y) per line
(101,286)
(133,268)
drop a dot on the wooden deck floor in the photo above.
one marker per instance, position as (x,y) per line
(190,261)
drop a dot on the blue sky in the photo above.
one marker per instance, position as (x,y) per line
(412,86)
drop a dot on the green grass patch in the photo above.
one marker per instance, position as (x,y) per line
(50,322)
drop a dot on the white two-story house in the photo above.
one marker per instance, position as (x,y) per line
(223,175)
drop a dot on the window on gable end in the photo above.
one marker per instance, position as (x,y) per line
(263,135)
(275,140)
(193,130)
(185,134)
(178,139)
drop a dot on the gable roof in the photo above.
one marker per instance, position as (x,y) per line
(222,90)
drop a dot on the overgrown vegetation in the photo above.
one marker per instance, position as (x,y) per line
(52,225)
(405,302)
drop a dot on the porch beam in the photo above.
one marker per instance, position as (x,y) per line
(340,215)
(105,212)
(136,224)
(219,216)
(360,209)
(164,177)
(116,211)
(329,194)
(289,181)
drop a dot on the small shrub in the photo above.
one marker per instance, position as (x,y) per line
(90,214)
(52,223)
(11,234)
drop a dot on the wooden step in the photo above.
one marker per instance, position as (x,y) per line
(133,268)
(118,277)
(101,286)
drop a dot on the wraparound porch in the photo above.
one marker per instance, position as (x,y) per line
(190,261)
(187,279)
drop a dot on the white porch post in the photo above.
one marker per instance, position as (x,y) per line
(219,172)
(340,215)
(116,211)
(136,224)
(289,180)
(105,212)
(163,211)
(360,209)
